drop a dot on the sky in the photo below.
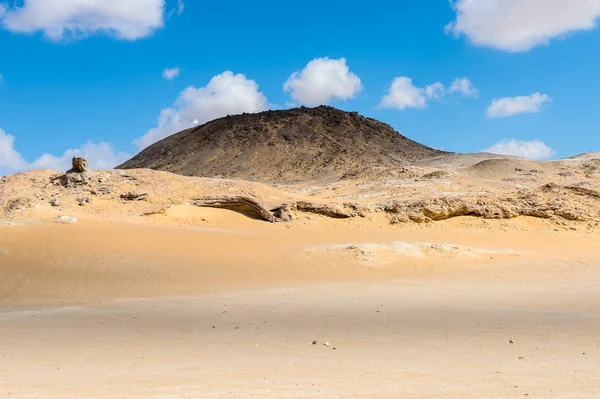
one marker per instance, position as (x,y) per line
(104,79)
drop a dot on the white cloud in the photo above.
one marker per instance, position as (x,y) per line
(179,9)
(171,73)
(10,159)
(509,106)
(99,156)
(323,80)
(404,94)
(435,91)
(225,94)
(463,87)
(533,150)
(60,19)
(519,25)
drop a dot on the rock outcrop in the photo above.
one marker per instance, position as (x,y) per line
(79,174)
(278,213)
(253,204)
(80,165)
(567,202)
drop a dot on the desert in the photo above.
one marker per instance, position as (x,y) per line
(322,199)
(445,276)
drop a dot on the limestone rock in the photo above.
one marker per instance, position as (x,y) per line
(80,165)
(238,201)
(79,174)
(331,210)
(284,213)
(135,196)
(70,178)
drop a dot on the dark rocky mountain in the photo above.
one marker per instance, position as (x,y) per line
(302,144)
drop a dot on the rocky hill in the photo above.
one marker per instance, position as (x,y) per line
(297,145)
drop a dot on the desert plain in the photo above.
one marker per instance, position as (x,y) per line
(472,276)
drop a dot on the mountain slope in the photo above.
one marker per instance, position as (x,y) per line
(302,144)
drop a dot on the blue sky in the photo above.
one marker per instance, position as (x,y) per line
(90,77)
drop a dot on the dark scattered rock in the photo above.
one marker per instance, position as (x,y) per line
(83,201)
(54,202)
(101,191)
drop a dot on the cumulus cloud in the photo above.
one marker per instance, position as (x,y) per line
(171,73)
(519,25)
(533,150)
(99,155)
(10,159)
(463,87)
(323,80)
(225,94)
(60,19)
(435,91)
(404,94)
(509,106)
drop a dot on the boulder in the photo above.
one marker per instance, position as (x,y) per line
(135,196)
(71,178)
(80,165)
(79,174)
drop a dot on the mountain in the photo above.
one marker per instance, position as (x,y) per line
(296,145)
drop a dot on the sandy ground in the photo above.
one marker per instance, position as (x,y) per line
(456,309)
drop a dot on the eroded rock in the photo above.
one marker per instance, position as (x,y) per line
(135,196)
(80,165)
(79,174)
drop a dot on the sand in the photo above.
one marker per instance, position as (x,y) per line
(228,306)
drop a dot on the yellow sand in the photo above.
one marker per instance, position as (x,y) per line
(103,309)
